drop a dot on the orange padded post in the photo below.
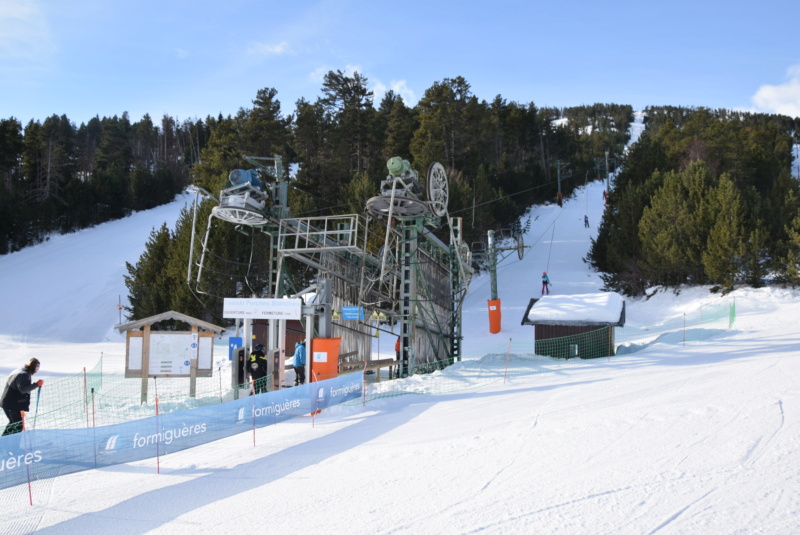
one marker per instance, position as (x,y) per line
(494,316)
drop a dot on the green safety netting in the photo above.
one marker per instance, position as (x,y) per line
(103,396)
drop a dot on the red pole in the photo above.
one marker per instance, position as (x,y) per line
(85,397)
(314,379)
(158,457)
(364,392)
(27,466)
(684,328)
(253,393)
(507,356)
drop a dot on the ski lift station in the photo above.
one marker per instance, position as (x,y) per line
(400,266)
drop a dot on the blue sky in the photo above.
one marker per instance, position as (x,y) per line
(195,58)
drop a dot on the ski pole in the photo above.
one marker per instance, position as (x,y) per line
(36,411)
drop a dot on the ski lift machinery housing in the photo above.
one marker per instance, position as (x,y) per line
(415,279)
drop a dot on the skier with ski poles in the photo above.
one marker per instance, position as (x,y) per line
(17,395)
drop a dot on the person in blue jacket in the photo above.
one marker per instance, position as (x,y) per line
(300,363)
(545,284)
(17,395)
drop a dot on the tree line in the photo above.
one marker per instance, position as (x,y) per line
(500,158)
(704,197)
(57,178)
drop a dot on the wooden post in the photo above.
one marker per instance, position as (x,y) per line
(145,362)
(193,361)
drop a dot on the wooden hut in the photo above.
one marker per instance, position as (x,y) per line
(575,325)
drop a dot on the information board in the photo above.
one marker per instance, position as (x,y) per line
(170,354)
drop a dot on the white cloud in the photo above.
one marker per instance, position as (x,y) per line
(379,89)
(263,49)
(400,87)
(350,70)
(784,98)
(318,75)
(24,32)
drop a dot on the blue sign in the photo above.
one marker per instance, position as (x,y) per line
(352,313)
(234,343)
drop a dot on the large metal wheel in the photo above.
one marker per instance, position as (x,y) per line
(239,215)
(401,208)
(438,191)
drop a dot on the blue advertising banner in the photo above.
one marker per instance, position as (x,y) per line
(46,453)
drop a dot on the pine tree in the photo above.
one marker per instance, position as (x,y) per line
(754,256)
(674,229)
(722,257)
(792,258)
(148,282)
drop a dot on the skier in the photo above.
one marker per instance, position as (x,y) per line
(17,395)
(545,284)
(586,221)
(300,363)
(258,369)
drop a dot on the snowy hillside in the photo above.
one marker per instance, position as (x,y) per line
(695,438)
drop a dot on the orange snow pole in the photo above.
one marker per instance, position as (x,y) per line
(495,318)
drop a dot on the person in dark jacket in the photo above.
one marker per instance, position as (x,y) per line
(300,363)
(17,395)
(257,366)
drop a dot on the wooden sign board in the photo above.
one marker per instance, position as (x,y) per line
(169,353)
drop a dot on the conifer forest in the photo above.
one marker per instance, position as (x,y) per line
(703,197)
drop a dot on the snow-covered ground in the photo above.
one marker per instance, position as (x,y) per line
(701,438)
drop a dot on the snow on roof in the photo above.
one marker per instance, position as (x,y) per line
(606,308)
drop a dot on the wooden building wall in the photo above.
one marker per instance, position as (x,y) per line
(567,341)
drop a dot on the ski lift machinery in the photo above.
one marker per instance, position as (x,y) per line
(414,279)
(427,277)
(255,200)
(390,262)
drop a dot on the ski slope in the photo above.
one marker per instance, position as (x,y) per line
(701,438)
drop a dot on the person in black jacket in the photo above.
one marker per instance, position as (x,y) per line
(257,364)
(17,395)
